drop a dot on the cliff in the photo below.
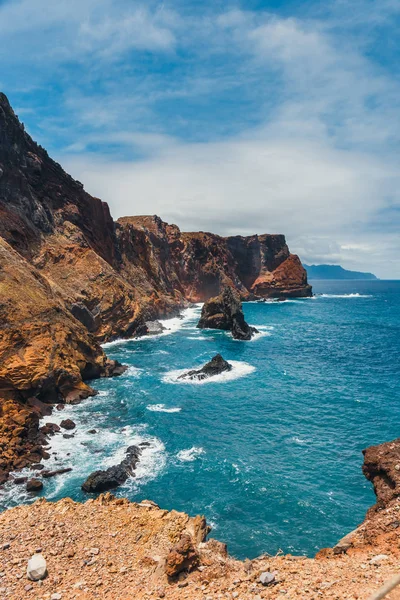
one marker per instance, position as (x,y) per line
(72,278)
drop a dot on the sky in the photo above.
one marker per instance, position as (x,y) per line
(234,117)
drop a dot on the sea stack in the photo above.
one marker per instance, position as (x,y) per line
(215,366)
(225,312)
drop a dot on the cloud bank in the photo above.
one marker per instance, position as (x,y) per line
(232,121)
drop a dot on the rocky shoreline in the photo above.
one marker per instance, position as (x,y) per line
(119,550)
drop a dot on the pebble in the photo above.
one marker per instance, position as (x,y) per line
(94,551)
(28,588)
(5,546)
(55,596)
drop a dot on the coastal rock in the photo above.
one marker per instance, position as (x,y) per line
(67,424)
(101,481)
(47,474)
(382,467)
(50,428)
(225,312)
(154,327)
(34,485)
(182,557)
(37,567)
(215,366)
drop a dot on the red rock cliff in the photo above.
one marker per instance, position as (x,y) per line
(71,277)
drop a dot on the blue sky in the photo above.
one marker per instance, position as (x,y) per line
(232,117)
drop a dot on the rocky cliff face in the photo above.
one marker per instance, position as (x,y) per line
(71,278)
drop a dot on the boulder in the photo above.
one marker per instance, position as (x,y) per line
(37,567)
(225,312)
(214,367)
(34,485)
(67,424)
(182,557)
(47,474)
(101,481)
(154,327)
(50,428)
(19,480)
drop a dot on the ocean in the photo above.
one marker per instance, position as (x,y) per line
(271,452)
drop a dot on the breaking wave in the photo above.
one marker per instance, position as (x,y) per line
(239,369)
(163,408)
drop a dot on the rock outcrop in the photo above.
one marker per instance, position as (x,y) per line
(71,278)
(215,366)
(182,557)
(382,467)
(101,481)
(225,312)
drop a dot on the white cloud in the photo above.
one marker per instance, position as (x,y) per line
(310,145)
(74,29)
(322,198)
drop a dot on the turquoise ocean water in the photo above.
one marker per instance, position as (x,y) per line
(271,452)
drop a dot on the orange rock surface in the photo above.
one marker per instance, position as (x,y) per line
(113,549)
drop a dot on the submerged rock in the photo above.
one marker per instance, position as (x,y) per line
(225,312)
(214,367)
(101,481)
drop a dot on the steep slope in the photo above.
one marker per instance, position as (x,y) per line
(71,277)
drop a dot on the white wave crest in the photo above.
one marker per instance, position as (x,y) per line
(355,295)
(163,408)
(239,369)
(190,454)
(171,326)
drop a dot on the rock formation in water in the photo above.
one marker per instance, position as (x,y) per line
(225,312)
(71,278)
(101,481)
(215,366)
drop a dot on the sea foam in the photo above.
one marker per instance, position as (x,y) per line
(163,408)
(239,369)
(190,454)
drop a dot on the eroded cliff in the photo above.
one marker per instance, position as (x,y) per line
(72,278)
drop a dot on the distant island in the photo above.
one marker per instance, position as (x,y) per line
(335,272)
